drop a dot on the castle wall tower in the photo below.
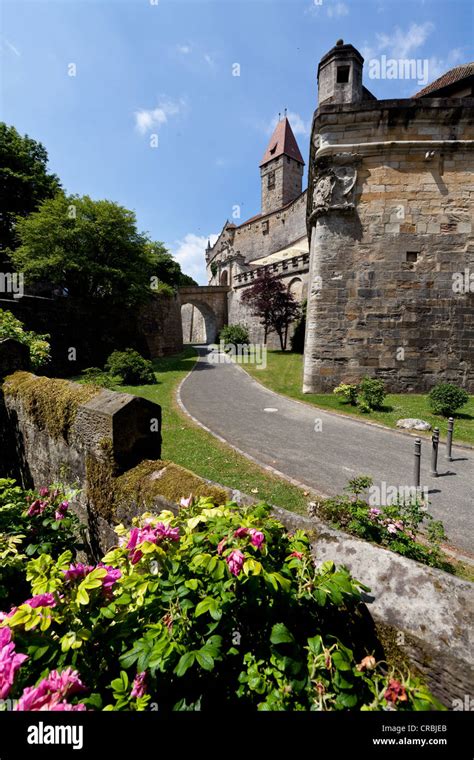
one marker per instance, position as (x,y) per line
(281,169)
(340,75)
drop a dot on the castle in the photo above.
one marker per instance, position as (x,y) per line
(377,241)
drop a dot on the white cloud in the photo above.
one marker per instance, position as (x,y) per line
(184,49)
(438,66)
(189,252)
(399,44)
(298,125)
(147,119)
(337,10)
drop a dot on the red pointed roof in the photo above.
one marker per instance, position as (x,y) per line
(282,142)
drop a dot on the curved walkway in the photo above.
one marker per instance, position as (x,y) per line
(324,450)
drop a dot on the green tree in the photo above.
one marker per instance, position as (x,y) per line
(92,249)
(11,327)
(24,182)
(166,269)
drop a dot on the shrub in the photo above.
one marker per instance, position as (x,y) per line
(238,335)
(348,392)
(370,394)
(32,523)
(97,376)
(130,367)
(398,526)
(11,327)
(445,398)
(214,607)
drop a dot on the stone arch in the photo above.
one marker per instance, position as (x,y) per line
(199,322)
(224,278)
(296,288)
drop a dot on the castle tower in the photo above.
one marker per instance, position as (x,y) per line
(340,75)
(281,169)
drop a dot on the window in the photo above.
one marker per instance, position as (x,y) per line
(342,74)
(271,180)
(265,226)
(412,256)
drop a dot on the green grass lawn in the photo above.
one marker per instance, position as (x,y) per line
(284,374)
(192,447)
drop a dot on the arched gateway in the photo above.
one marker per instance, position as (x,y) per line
(203,312)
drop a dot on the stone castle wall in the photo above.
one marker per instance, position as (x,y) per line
(390,225)
(94,331)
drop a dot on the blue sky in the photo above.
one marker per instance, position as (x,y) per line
(165,68)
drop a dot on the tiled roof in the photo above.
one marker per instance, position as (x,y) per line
(282,142)
(450,77)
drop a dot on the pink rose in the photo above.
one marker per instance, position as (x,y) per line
(139,686)
(257,537)
(235,560)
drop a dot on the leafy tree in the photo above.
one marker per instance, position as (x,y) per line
(130,367)
(11,327)
(24,181)
(273,304)
(90,249)
(167,271)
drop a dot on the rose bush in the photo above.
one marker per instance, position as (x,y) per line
(215,607)
(31,523)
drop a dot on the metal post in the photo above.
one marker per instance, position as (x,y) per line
(449,440)
(416,476)
(434,453)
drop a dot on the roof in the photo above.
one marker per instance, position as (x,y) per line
(282,143)
(446,80)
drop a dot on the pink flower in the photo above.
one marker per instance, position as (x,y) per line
(221,545)
(187,502)
(235,560)
(44,492)
(298,555)
(139,686)
(33,698)
(392,528)
(41,600)
(65,683)
(241,532)
(36,508)
(257,537)
(9,661)
(374,512)
(395,692)
(133,540)
(398,524)
(66,707)
(51,691)
(77,571)
(113,574)
(61,510)
(164,531)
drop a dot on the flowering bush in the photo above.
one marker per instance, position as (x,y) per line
(405,527)
(213,607)
(31,523)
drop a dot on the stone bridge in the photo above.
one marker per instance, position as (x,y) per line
(204,311)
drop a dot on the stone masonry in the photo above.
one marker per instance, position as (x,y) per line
(390,208)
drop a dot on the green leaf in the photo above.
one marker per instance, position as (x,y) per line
(207,604)
(205,660)
(281,635)
(185,662)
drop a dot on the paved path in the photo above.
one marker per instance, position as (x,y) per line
(225,399)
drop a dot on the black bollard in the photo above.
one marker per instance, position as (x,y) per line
(434,453)
(449,440)
(416,476)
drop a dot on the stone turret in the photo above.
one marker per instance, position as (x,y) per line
(281,169)
(340,75)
